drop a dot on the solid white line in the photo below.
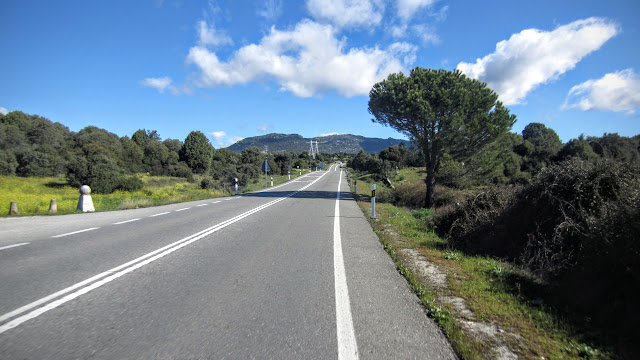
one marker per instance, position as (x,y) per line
(110,275)
(347,346)
(164,213)
(126,221)
(183,209)
(75,232)
(202,205)
(12,246)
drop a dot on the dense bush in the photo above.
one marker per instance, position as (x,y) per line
(130,183)
(575,225)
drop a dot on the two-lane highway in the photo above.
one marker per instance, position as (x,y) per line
(291,272)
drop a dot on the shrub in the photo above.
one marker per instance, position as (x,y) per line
(575,225)
(208,183)
(130,183)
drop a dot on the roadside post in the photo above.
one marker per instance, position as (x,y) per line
(236,185)
(272,181)
(289,174)
(373,201)
(355,186)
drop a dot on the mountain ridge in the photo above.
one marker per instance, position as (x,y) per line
(347,143)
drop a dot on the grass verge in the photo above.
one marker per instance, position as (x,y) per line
(498,294)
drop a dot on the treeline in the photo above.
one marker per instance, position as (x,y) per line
(512,159)
(31,145)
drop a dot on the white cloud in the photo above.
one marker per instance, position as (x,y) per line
(221,139)
(306,61)
(618,91)
(3,110)
(209,35)
(330,134)
(265,127)
(348,13)
(427,34)
(160,84)
(533,57)
(408,8)
(271,10)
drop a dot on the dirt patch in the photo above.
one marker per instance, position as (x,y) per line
(437,279)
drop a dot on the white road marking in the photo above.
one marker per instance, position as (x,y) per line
(202,205)
(12,246)
(215,202)
(183,209)
(95,282)
(164,213)
(126,221)
(75,232)
(347,346)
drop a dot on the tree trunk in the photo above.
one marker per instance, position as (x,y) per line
(429,200)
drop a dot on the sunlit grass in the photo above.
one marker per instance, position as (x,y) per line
(33,195)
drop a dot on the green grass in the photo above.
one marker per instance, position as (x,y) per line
(496,291)
(34,194)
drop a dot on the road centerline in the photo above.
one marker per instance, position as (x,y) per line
(52,301)
(12,246)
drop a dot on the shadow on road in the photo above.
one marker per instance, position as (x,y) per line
(302,194)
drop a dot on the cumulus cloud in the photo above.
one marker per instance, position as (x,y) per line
(306,61)
(533,57)
(408,8)
(160,84)
(265,127)
(221,139)
(3,110)
(330,134)
(271,10)
(209,35)
(618,91)
(348,13)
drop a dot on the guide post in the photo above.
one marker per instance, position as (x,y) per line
(373,201)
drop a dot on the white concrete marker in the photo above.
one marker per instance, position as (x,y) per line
(347,346)
(12,246)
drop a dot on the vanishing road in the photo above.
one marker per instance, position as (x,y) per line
(294,272)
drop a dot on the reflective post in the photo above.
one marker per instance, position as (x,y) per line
(373,201)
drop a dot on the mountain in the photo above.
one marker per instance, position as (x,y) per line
(330,143)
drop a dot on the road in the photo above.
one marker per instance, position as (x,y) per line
(293,272)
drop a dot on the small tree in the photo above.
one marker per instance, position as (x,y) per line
(442,112)
(197,152)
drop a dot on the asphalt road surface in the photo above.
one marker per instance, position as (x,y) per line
(293,272)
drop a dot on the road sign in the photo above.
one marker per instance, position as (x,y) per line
(265,166)
(321,165)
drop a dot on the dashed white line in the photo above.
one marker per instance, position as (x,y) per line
(75,232)
(126,221)
(215,202)
(202,205)
(160,214)
(183,209)
(12,246)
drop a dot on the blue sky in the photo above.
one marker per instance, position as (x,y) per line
(234,69)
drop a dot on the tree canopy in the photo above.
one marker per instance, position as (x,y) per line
(442,112)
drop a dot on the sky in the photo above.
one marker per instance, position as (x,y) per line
(235,69)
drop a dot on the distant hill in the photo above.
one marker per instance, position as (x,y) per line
(330,144)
